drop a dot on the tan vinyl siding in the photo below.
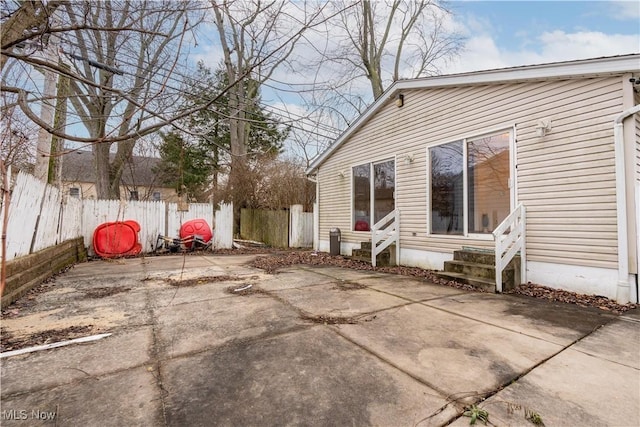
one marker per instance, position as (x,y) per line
(637,101)
(566,179)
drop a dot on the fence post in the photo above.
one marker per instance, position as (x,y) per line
(223,229)
(316,227)
(295,226)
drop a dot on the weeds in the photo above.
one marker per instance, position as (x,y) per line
(476,413)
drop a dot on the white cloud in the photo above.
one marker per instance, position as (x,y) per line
(625,10)
(482,53)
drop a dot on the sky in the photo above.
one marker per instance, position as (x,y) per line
(497,34)
(512,33)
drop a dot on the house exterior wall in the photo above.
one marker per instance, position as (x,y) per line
(88,191)
(566,179)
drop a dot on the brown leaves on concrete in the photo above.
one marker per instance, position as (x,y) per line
(582,300)
(347,285)
(272,263)
(194,281)
(105,291)
(9,342)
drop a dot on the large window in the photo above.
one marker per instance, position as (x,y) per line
(447,188)
(372,195)
(469,191)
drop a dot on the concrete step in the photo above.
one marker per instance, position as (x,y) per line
(486,284)
(480,257)
(482,271)
(382,260)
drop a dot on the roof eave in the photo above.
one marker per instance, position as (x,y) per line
(584,67)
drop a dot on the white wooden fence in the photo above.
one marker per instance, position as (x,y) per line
(300,227)
(40,217)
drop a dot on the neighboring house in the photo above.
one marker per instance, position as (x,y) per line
(140,179)
(456,154)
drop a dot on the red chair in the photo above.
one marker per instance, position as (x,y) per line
(195,230)
(362,226)
(117,239)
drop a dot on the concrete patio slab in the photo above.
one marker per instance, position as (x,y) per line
(570,390)
(44,369)
(618,342)
(193,327)
(199,355)
(341,273)
(125,398)
(411,289)
(335,384)
(206,289)
(453,354)
(291,278)
(330,299)
(551,321)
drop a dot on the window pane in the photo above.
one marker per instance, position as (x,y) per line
(384,187)
(361,197)
(488,182)
(447,189)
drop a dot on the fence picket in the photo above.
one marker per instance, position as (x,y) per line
(61,219)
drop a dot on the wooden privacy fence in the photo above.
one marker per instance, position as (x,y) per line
(282,229)
(40,217)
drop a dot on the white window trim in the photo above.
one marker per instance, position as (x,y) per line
(371,188)
(465,196)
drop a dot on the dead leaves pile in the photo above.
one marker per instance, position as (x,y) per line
(272,263)
(544,292)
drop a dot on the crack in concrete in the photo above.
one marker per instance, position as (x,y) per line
(154,355)
(491,393)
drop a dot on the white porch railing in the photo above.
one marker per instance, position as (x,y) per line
(384,233)
(507,246)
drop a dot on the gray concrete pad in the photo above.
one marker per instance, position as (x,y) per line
(125,349)
(166,295)
(226,359)
(409,288)
(291,278)
(126,398)
(342,273)
(455,355)
(594,382)
(572,389)
(311,378)
(551,321)
(618,342)
(197,326)
(329,299)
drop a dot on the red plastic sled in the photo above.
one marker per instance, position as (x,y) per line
(196,229)
(117,239)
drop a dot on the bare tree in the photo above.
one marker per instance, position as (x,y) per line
(256,39)
(123,56)
(351,61)
(388,40)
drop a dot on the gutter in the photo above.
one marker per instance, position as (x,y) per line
(623,294)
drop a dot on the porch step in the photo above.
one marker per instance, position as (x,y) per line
(383,259)
(482,271)
(486,284)
(477,267)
